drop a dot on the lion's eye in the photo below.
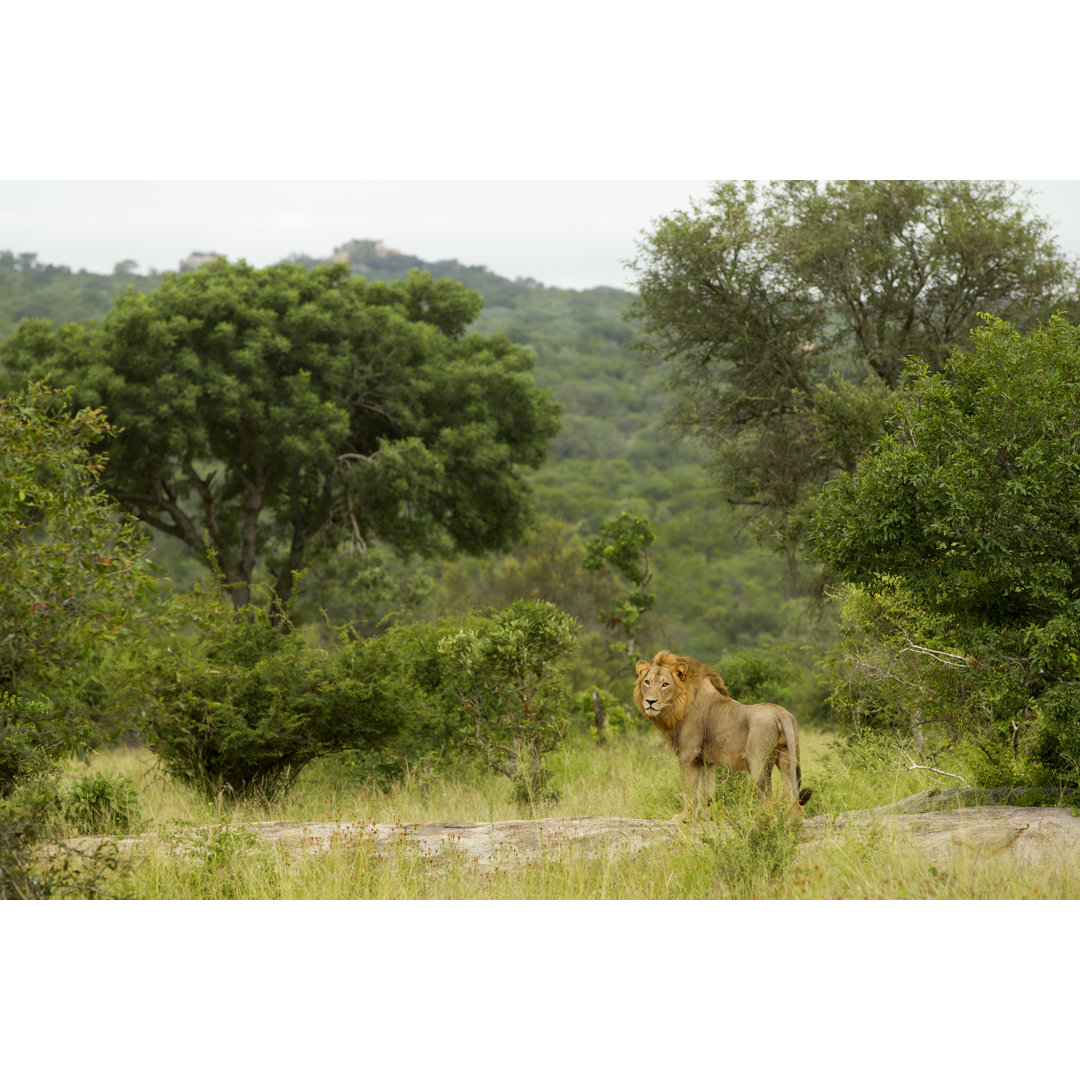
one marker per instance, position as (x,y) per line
(663,684)
(646,683)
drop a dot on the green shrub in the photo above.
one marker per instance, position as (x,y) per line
(246,707)
(506,678)
(29,745)
(758,674)
(100,803)
(28,873)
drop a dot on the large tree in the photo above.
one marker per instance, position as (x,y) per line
(784,313)
(959,538)
(277,412)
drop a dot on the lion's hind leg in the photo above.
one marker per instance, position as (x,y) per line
(763,779)
(785,762)
(760,757)
(787,765)
(706,785)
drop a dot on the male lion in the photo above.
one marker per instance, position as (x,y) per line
(705,727)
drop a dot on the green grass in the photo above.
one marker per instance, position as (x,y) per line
(742,851)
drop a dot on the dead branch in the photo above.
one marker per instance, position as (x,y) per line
(874,670)
(929,768)
(946,658)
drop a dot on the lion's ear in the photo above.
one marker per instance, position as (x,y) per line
(641,665)
(680,670)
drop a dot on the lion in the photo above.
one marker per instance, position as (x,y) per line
(705,727)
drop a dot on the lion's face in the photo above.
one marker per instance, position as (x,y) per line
(658,688)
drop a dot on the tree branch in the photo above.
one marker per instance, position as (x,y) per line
(929,768)
(936,654)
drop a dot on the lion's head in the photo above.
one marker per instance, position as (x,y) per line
(664,688)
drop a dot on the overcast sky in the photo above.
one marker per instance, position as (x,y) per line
(566,233)
(211,127)
(573,234)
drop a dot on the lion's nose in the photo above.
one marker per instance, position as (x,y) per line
(650,701)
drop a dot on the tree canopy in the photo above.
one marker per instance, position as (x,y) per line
(962,531)
(277,413)
(623,545)
(784,313)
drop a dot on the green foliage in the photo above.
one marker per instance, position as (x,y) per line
(960,534)
(475,687)
(29,873)
(422,683)
(69,875)
(279,412)
(784,312)
(615,714)
(623,545)
(547,567)
(242,710)
(75,579)
(507,680)
(32,740)
(100,803)
(758,674)
(901,668)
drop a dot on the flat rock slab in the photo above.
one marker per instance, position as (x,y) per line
(1030,835)
(480,842)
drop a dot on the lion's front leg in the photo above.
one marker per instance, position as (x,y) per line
(695,778)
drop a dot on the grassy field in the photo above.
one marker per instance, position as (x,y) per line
(742,852)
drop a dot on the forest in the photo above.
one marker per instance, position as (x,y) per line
(381,539)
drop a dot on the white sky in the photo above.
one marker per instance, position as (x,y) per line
(567,233)
(573,234)
(536,141)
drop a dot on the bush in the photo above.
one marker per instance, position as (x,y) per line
(100,803)
(507,680)
(419,683)
(29,743)
(246,707)
(758,674)
(26,872)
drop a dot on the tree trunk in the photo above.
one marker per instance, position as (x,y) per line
(601,719)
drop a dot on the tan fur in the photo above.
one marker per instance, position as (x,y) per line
(705,727)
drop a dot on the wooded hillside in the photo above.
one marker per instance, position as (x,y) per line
(716,589)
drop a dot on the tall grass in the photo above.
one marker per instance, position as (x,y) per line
(742,851)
